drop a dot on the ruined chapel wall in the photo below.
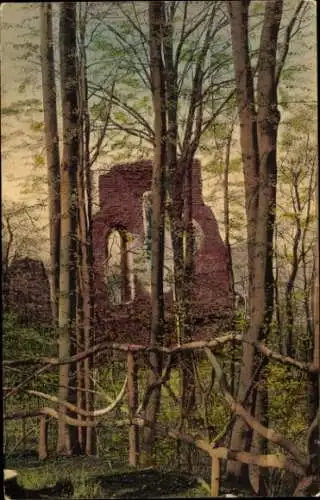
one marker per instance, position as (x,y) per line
(121,191)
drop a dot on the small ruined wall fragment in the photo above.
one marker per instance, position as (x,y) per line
(28,293)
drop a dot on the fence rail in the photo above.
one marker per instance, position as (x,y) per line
(296,463)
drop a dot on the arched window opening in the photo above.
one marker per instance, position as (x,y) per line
(118,271)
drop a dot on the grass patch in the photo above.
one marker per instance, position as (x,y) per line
(92,478)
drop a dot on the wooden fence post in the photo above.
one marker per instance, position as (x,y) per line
(132,388)
(43,437)
(215,476)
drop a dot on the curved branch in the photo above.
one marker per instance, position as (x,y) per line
(138,28)
(96,413)
(125,44)
(274,461)
(267,433)
(285,360)
(287,40)
(269,460)
(104,346)
(158,383)
(97,147)
(125,106)
(47,366)
(131,131)
(9,243)
(196,345)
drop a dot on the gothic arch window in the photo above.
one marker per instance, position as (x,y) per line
(118,268)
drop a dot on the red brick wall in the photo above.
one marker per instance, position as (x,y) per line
(28,293)
(120,192)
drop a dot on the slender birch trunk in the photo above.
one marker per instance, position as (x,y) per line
(259,119)
(156,16)
(67,435)
(52,147)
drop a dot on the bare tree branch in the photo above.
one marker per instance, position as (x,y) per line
(137,26)
(287,39)
(190,346)
(274,461)
(8,243)
(97,147)
(125,44)
(96,413)
(266,432)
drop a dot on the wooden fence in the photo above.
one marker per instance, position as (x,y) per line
(295,461)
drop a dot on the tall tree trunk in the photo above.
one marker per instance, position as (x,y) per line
(226,210)
(175,177)
(67,435)
(250,160)
(52,147)
(268,120)
(239,18)
(314,440)
(307,286)
(258,136)
(289,296)
(180,214)
(277,305)
(307,282)
(226,213)
(156,18)
(179,207)
(85,224)
(188,363)
(80,346)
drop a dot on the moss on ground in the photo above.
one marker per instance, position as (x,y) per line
(94,478)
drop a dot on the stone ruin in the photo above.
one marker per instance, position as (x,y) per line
(121,246)
(27,293)
(121,237)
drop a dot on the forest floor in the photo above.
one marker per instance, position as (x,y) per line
(94,478)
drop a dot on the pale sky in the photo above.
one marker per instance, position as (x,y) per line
(16,163)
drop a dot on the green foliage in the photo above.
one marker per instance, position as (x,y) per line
(39,160)
(241,321)
(26,106)
(170,411)
(289,73)
(287,389)
(22,343)
(217,412)
(93,478)
(36,126)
